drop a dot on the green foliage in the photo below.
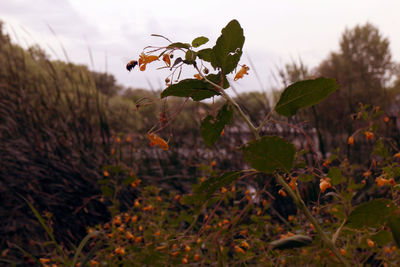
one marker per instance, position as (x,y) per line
(227,51)
(371,214)
(211,128)
(196,89)
(304,94)
(199,41)
(270,153)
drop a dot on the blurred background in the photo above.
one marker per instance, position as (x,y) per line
(69,109)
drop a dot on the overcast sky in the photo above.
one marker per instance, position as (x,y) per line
(117,31)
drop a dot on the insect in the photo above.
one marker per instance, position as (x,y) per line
(131,64)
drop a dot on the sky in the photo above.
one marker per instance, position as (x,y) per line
(114,32)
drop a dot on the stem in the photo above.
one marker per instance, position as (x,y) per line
(233,103)
(300,204)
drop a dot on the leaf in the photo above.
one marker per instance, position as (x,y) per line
(179,45)
(216,78)
(199,41)
(190,55)
(371,214)
(269,154)
(382,238)
(291,242)
(305,177)
(228,48)
(106,191)
(304,94)
(206,189)
(196,89)
(394,224)
(211,128)
(205,54)
(336,176)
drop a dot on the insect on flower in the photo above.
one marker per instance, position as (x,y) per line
(146,59)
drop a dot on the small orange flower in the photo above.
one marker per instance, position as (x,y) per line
(44,260)
(324,184)
(386,119)
(129,236)
(119,250)
(155,140)
(93,263)
(245,245)
(350,141)
(397,155)
(343,252)
(196,257)
(326,163)
(370,243)
(167,60)
(241,73)
(106,173)
(187,248)
(239,250)
(290,218)
(369,135)
(282,192)
(144,60)
(198,76)
(185,261)
(367,173)
(213,163)
(224,190)
(382,181)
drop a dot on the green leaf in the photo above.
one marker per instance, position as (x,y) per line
(269,154)
(336,175)
(216,78)
(205,190)
(228,48)
(305,177)
(129,180)
(394,224)
(190,56)
(196,89)
(382,238)
(211,128)
(304,94)
(106,191)
(370,214)
(205,54)
(179,45)
(199,41)
(291,242)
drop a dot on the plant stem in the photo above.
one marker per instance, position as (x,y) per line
(221,90)
(301,205)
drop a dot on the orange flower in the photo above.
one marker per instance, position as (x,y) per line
(155,140)
(106,173)
(350,141)
(369,135)
(241,73)
(167,60)
(397,155)
(386,119)
(367,173)
(382,181)
(282,193)
(44,260)
(327,162)
(324,184)
(370,243)
(144,60)
(239,250)
(198,76)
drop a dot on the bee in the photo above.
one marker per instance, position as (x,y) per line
(131,64)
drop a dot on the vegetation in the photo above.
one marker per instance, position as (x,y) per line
(92,174)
